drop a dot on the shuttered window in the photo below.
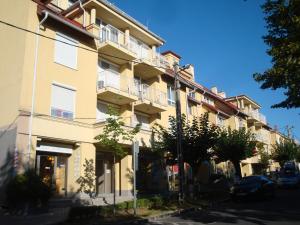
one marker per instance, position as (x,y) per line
(62,102)
(65,51)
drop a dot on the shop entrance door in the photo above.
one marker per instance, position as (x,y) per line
(53,171)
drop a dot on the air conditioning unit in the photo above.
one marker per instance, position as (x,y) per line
(100,84)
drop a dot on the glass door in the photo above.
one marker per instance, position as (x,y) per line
(53,171)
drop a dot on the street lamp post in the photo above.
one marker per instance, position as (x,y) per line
(179,131)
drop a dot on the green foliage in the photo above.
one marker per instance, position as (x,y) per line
(83,212)
(114,133)
(284,151)
(157,202)
(264,159)
(27,188)
(235,145)
(198,138)
(283,39)
(86,181)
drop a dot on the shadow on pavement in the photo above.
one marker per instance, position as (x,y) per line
(284,208)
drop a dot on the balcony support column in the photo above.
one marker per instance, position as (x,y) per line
(153,51)
(127,37)
(93,16)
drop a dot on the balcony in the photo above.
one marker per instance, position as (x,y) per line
(112,43)
(151,100)
(115,88)
(262,137)
(148,65)
(256,116)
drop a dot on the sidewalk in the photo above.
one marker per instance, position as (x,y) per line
(57,215)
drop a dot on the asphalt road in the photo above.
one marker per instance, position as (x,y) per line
(283,209)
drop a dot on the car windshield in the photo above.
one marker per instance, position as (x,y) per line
(249,180)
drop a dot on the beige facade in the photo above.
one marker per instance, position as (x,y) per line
(90,59)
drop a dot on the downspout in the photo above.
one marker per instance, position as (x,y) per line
(81,6)
(37,38)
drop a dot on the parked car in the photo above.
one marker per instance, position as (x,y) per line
(253,186)
(288,180)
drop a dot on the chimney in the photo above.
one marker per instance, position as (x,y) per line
(171,57)
(191,70)
(214,90)
(222,94)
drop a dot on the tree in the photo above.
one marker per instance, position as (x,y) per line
(86,182)
(264,159)
(114,135)
(198,138)
(284,151)
(283,39)
(235,146)
(201,137)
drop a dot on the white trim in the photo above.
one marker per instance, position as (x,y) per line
(64,86)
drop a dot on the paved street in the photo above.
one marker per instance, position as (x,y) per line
(284,209)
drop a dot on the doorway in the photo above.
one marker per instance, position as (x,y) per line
(52,168)
(104,173)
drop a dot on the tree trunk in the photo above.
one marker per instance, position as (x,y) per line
(237,168)
(114,183)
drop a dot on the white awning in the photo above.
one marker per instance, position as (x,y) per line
(55,149)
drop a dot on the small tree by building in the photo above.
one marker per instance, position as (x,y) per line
(113,137)
(86,182)
(284,151)
(235,146)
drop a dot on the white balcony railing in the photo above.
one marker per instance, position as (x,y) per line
(143,52)
(256,115)
(153,95)
(116,81)
(262,137)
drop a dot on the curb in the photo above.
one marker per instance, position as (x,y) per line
(154,218)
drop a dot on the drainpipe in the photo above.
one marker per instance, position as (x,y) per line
(34,83)
(81,6)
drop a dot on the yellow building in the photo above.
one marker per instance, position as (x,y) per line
(56,85)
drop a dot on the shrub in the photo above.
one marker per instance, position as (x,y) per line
(157,202)
(27,188)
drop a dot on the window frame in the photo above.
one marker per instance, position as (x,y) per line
(55,50)
(74,99)
(171,102)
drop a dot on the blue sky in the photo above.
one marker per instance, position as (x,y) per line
(222,38)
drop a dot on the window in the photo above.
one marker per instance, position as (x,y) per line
(71,2)
(241,123)
(220,121)
(208,100)
(192,94)
(189,108)
(138,47)
(63,102)
(108,75)
(102,111)
(65,53)
(143,120)
(171,95)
